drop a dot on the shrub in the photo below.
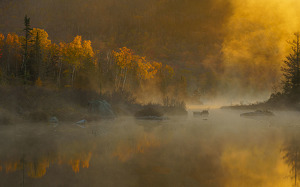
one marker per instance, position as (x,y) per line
(148,111)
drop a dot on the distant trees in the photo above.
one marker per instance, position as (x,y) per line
(138,70)
(33,59)
(11,56)
(77,55)
(291,69)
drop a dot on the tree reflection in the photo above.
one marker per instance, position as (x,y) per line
(291,155)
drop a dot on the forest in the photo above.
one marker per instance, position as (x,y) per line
(220,48)
(154,49)
(33,59)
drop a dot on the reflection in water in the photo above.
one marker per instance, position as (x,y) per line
(125,150)
(291,150)
(225,151)
(37,167)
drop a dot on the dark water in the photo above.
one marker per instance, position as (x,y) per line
(224,150)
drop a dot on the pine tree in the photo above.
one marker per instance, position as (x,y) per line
(291,69)
(27,30)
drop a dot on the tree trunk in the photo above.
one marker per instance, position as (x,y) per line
(73,76)
(59,74)
(125,76)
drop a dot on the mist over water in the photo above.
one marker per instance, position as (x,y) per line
(224,150)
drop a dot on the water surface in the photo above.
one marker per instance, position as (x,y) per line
(222,150)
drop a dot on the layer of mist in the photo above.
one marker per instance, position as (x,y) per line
(224,150)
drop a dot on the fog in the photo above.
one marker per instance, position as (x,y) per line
(233,47)
(224,150)
(223,52)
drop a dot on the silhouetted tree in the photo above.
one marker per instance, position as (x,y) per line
(291,69)
(27,30)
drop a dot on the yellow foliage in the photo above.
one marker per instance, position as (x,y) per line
(1,40)
(43,37)
(87,48)
(13,40)
(39,82)
(11,166)
(1,37)
(124,58)
(83,159)
(38,170)
(126,150)
(76,52)
(169,70)
(145,69)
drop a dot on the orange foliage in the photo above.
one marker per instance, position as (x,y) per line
(124,58)
(11,166)
(13,40)
(43,37)
(75,165)
(1,40)
(86,163)
(126,151)
(39,82)
(83,160)
(38,170)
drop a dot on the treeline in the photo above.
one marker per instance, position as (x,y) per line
(33,59)
(187,35)
(289,94)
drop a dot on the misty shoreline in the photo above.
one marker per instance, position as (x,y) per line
(29,104)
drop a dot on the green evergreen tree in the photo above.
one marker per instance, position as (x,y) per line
(27,31)
(291,68)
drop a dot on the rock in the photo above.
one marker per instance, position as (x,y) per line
(204,113)
(152,118)
(101,107)
(53,119)
(81,122)
(257,113)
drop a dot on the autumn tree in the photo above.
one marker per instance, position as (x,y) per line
(11,61)
(124,59)
(291,68)
(1,40)
(75,56)
(39,53)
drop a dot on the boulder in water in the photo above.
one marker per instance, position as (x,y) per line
(257,113)
(101,107)
(53,119)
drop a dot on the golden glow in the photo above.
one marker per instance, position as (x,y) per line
(38,168)
(256,166)
(126,150)
(11,166)
(256,41)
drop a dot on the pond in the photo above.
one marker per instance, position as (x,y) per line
(223,149)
